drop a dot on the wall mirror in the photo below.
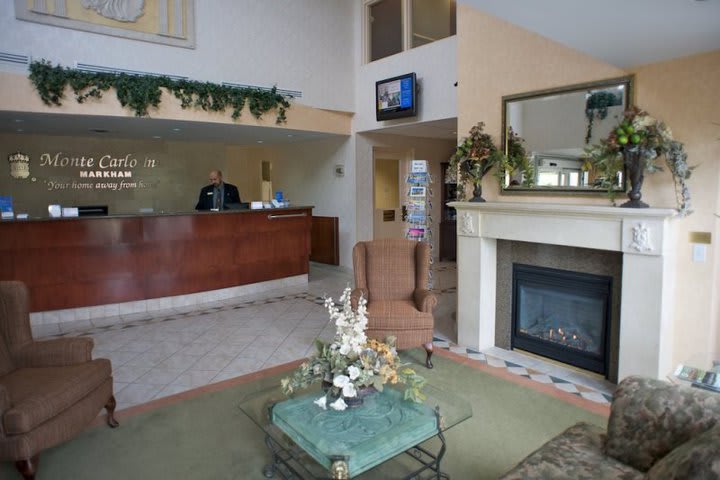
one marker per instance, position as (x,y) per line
(555,127)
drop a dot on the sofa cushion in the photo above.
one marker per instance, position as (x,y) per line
(698,458)
(575,454)
(38,394)
(649,418)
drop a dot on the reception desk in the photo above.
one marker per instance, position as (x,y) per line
(81,262)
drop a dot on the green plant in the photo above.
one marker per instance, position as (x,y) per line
(648,139)
(516,161)
(596,107)
(142,92)
(474,157)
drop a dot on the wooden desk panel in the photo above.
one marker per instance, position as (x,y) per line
(69,263)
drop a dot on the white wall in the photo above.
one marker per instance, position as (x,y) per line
(436,67)
(301,45)
(305,173)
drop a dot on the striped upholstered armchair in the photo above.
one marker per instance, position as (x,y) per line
(49,390)
(392,274)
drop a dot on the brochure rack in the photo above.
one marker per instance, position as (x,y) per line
(418,206)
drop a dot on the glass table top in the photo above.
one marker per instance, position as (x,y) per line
(384,426)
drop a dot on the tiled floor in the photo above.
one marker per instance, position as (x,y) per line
(167,352)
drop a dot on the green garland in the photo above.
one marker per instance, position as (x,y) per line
(140,92)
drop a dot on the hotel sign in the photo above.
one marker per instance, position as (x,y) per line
(105,172)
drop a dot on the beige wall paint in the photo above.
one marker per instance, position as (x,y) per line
(181,170)
(497,59)
(18,94)
(684,93)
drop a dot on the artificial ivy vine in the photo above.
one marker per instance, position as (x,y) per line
(140,92)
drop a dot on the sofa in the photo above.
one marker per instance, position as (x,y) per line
(656,430)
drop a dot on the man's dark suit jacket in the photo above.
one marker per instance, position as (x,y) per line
(207,197)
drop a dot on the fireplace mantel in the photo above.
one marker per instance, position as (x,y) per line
(643,236)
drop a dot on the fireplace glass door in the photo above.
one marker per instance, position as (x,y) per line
(562,315)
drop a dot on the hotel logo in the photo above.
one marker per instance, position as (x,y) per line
(19,165)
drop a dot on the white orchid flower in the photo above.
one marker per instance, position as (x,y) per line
(349,390)
(353,372)
(338,404)
(321,402)
(341,380)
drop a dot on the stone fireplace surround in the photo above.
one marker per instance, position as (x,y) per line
(644,237)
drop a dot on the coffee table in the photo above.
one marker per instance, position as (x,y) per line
(307,442)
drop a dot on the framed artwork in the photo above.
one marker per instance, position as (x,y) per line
(170,22)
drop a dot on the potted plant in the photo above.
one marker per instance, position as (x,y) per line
(596,107)
(635,146)
(515,164)
(475,156)
(352,366)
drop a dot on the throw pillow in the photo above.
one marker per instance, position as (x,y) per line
(649,418)
(698,459)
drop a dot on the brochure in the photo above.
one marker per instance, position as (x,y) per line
(701,378)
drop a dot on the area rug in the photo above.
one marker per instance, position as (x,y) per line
(202,434)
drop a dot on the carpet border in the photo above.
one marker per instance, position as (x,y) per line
(499,372)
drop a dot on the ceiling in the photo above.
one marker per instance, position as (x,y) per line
(623,33)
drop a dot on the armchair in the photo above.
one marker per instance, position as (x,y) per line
(49,390)
(392,275)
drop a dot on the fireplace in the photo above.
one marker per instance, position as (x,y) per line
(562,315)
(643,238)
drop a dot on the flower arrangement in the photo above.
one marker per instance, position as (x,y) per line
(515,163)
(636,144)
(474,157)
(352,363)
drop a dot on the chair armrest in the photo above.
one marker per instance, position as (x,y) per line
(54,353)
(425,300)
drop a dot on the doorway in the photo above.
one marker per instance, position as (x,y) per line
(388,194)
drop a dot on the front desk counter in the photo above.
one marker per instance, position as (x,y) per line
(85,261)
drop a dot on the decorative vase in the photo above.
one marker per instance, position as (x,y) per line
(477,192)
(635,171)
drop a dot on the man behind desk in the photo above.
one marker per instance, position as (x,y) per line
(218,195)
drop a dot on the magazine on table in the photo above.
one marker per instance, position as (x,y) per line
(709,379)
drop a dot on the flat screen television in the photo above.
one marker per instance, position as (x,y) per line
(396,97)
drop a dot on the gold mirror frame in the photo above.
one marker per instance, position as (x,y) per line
(554,136)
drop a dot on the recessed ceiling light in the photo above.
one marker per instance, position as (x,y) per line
(290,135)
(157,136)
(99,130)
(19,120)
(20,130)
(176,129)
(260,141)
